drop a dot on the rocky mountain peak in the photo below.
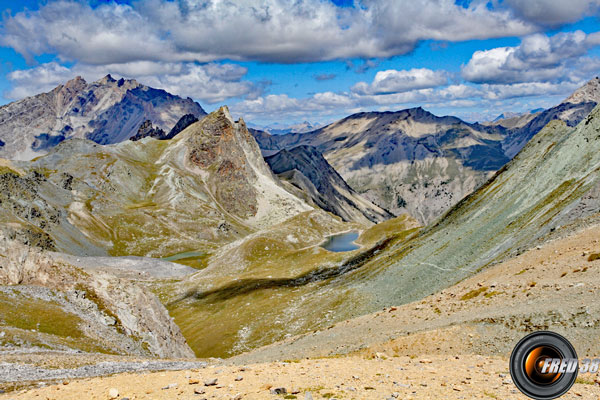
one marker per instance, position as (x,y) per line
(77,82)
(107,79)
(588,93)
(146,129)
(106,111)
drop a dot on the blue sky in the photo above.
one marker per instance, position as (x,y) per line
(283,61)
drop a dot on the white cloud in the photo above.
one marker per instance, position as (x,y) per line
(538,58)
(210,83)
(553,12)
(265,30)
(393,81)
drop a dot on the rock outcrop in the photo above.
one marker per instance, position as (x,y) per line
(114,314)
(148,130)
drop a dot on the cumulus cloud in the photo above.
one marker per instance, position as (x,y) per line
(282,31)
(393,81)
(456,96)
(538,58)
(551,12)
(210,83)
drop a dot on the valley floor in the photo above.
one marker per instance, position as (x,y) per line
(452,345)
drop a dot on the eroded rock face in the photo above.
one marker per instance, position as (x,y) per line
(117,314)
(106,111)
(217,146)
(306,168)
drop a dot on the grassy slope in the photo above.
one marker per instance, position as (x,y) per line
(248,296)
(523,202)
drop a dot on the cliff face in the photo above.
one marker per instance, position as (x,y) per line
(106,111)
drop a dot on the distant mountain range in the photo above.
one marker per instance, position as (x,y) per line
(106,111)
(408,161)
(413,161)
(282,129)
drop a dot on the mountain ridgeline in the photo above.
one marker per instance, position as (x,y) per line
(106,111)
(551,188)
(207,186)
(306,169)
(412,161)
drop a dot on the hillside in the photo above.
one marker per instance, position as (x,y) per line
(306,169)
(552,186)
(414,162)
(206,187)
(106,111)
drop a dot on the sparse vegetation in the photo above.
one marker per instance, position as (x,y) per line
(594,257)
(474,293)
(521,272)
(584,381)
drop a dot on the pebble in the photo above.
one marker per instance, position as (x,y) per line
(193,381)
(210,382)
(237,397)
(239,378)
(170,386)
(199,391)
(279,390)
(113,393)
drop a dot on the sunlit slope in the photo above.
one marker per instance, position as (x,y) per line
(552,182)
(273,284)
(206,187)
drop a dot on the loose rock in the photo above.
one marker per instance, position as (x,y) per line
(210,382)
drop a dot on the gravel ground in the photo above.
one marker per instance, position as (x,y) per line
(352,377)
(23,372)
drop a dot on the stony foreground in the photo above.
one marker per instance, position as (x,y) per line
(351,377)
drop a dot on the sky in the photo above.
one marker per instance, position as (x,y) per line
(281,62)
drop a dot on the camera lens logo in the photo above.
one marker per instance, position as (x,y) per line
(543,365)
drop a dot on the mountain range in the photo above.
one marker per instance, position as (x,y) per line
(551,189)
(413,161)
(220,246)
(106,111)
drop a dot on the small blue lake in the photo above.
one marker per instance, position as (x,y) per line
(341,242)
